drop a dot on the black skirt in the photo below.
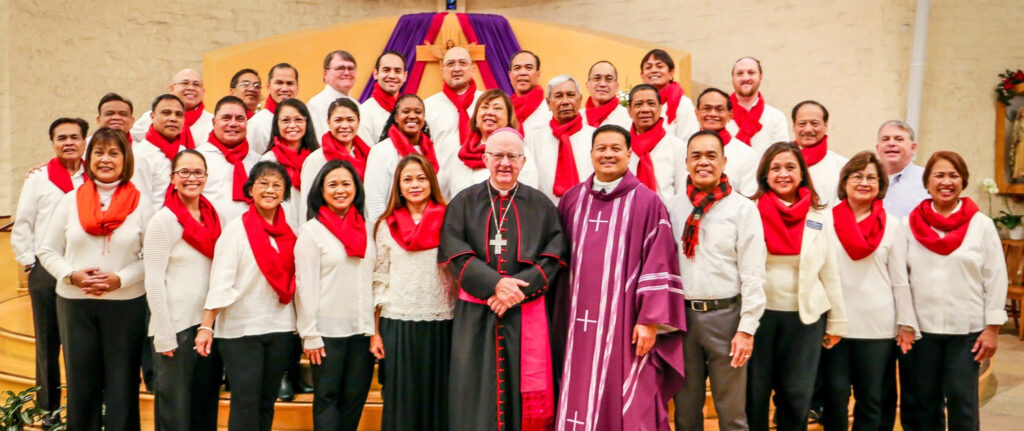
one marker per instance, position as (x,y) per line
(414,374)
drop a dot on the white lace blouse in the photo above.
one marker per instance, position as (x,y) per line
(401,285)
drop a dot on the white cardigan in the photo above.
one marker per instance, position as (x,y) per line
(39,196)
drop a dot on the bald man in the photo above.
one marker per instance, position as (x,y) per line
(448,111)
(187,84)
(603,104)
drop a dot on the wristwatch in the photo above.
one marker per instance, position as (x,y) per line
(67,278)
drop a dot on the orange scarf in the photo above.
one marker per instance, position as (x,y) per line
(96,221)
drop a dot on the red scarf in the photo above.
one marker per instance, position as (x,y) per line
(270,104)
(462,104)
(566,174)
(749,122)
(726,136)
(405,148)
(643,144)
(202,236)
(385,100)
(350,230)
(414,237)
(859,238)
(190,118)
(924,218)
(249,114)
(170,149)
(96,221)
(784,225)
(277,265)
(236,156)
(291,160)
(671,95)
(59,176)
(472,151)
(597,114)
(527,104)
(702,202)
(335,150)
(815,153)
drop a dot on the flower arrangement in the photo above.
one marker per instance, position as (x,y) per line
(1011,84)
(623,98)
(1009,220)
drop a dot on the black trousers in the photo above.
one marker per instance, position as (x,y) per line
(938,372)
(860,364)
(102,347)
(187,386)
(785,360)
(254,365)
(42,291)
(341,383)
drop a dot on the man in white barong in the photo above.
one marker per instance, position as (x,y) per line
(562,147)
(448,111)
(282,84)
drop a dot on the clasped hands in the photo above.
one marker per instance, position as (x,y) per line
(94,282)
(507,294)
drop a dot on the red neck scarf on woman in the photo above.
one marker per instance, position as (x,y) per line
(270,105)
(784,225)
(236,156)
(202,236)
(749,122)
(643,144)
(385,100)
(597,114)
(59,176)
(96,221)
(566,174)
(335,150)
(191,116)
(815,153)
(924,219)
(277,265)
(405,148)
(414,237)
(527,104)
(702,202)
(670,96)
(462,104)
(472,152)
(350,230)
(169,148)
(859,238)
(291,160)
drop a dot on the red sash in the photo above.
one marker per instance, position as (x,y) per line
(170,149)
(671,95)
(597,114)
(201,236)
(643,144)
(862,238)
(385,100)
(462,104)
(291,160)
(350,230)
(566,174)
(236,156)
(924,218)
(334,150)
(749,122)
(59,176)
(784,225)
(414,237)
(270,104)
(527,104)
(405,148)
(472,151)
(815,153)
(191,116)
(277,266)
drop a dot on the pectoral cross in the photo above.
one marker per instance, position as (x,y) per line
(586,320)
(498,242)
(575,420)
(598,221)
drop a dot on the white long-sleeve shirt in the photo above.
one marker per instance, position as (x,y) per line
(825,175)
(538,120)
(960,293)
(200,130)
(409,285)
(372,118)
(152,173)
(669,159)
(334,291)
(250,305)
(318,105)
(257,131)
(686,119)
(39,196)
(66,247)
(220,180)
(774,128)
(443,118)
(875,288)
(544,147)
(177,279)
(730,256)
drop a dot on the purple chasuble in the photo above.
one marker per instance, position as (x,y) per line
(623,272)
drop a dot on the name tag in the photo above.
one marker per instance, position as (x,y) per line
(813,225)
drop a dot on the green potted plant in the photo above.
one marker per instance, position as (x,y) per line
(21,410)
(1006,219)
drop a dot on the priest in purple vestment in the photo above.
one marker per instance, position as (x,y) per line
(621,313)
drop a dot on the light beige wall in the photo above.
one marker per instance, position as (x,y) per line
(851,56)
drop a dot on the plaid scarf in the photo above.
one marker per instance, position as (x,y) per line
(702,202)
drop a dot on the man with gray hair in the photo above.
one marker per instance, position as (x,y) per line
(562,147)
(339,77)
(896,147)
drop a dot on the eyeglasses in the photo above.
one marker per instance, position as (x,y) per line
(343,68)
(709,109)
(858,178)
(512,157)
(246,84)
(187,83)
(183,174)
(263,185)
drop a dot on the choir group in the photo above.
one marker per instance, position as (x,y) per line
(524,261)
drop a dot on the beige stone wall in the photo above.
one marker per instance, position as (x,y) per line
(851,56)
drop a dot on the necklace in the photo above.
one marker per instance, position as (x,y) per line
(499,241)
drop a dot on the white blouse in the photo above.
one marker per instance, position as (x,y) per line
(250,305)
(39,196)
(825,176)
(334,291)
(66,247)
(875,288)
(177,280)
(410,285)
(960,293)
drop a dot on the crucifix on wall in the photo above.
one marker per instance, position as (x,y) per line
(448,37)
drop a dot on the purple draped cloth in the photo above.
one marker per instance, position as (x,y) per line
(409,32)
(623,272)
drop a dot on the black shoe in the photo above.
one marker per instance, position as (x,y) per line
(301,387)
(814,415)
(50,420)
(286,393)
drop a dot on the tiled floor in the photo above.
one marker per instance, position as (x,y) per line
(1004,411)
